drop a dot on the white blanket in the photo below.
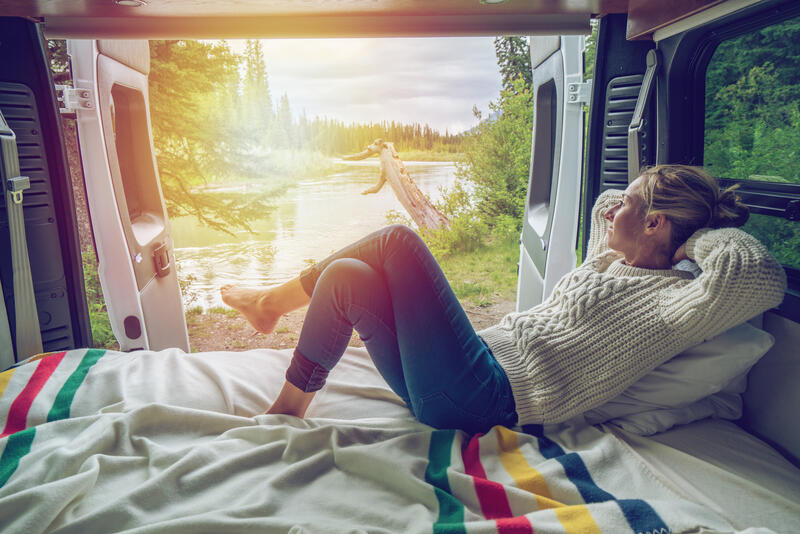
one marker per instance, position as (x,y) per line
(98,441)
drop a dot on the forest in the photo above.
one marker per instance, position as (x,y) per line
(752,121)
(215,120)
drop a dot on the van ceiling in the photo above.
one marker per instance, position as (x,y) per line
(308,18)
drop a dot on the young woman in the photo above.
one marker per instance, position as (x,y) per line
(619,315)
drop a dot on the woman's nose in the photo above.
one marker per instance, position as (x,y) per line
(610,214)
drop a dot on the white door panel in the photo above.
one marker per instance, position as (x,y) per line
(551,212)
(129,219)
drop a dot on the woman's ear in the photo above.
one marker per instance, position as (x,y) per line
(656,223)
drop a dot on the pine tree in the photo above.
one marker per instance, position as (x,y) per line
(256,102)
(187,117)
(514,60)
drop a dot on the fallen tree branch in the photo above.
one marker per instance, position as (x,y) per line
(418,206)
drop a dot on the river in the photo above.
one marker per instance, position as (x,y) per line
(315,218)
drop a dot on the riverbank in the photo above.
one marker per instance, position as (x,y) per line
(224,329)
(484,282)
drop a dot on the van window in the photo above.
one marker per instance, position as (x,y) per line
(752,124)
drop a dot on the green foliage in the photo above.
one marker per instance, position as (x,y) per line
(780,236)
(497,156)
(195,139)
(514,60)
(590,51)
(752,121)
(487,202)
(466,234)
(485,273)
(214,122)
(59,61)
(102,334)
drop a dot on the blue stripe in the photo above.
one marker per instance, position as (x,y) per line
(640,515)
(579,475)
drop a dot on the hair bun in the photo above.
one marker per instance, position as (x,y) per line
(729,211)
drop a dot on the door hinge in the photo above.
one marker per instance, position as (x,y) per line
(579,93)
(71,99)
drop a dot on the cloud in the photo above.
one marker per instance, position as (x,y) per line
(432,80)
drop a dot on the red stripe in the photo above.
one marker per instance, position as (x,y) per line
(492,495)
(514,525)
(18,413)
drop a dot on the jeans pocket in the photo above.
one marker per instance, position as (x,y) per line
(440,411)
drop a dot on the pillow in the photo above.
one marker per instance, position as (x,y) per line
(702,381)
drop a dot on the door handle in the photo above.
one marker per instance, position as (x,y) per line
(161,260)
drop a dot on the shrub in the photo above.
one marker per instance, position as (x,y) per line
(102,335)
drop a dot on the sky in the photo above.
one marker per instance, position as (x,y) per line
(421,80)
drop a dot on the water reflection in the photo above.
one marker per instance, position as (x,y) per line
(314,219)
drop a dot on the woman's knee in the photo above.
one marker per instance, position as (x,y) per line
(343,271)
(404,234)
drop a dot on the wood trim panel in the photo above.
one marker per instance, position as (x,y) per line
(646,16)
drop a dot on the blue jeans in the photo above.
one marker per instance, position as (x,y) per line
(389,287)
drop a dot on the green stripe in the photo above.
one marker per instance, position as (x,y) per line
(19,444)
(63,401)
(451,511)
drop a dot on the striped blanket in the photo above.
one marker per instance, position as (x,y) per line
(96,441)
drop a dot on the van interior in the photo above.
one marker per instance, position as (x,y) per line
(653,97)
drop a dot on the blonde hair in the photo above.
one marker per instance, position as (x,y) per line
(691,199)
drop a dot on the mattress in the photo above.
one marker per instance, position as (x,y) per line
(717,463)
(103,441)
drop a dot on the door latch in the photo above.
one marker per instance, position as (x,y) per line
(161,260)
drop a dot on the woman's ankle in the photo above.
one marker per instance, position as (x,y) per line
(291,401)
(286,297)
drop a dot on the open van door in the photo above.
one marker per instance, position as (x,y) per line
(550,222)
(129,219)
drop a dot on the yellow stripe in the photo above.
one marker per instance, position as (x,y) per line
(5,377)
(525,476)
(577,519)
(39,356)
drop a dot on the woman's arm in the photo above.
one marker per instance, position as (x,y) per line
(740,279)
(597,236)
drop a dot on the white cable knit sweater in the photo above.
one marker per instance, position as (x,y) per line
(607,324)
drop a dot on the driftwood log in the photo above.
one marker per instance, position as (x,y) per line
(422,211)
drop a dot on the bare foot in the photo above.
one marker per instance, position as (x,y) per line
(253,304)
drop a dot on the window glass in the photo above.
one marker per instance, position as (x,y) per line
(752,121)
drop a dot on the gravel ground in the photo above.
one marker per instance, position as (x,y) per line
(229,331)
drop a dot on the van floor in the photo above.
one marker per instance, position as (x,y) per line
(226,330)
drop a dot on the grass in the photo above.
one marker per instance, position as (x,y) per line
(485,274)
(102,335)
(479,278)
(224,310)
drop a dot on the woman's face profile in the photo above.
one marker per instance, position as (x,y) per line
(627,221)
